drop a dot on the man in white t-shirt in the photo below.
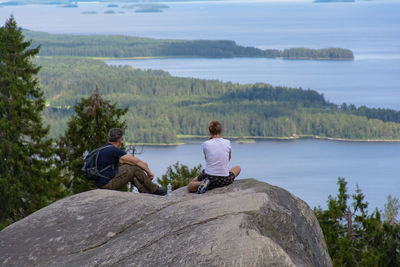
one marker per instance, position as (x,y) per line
(217,152)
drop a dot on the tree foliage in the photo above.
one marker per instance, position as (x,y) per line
(325,53)
(179,175)
(126,46)
(392,209)
(161,106)
(87,129)
(355,238)
(28,177)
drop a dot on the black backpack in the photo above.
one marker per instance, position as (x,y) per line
(90,165)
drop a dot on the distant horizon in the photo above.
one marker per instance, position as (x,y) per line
(40,2)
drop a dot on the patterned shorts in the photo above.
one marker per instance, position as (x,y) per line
(217,181)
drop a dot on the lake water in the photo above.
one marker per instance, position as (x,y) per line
(370,28)
(307,168)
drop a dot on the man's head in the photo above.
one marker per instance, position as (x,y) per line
(215,127)
(115,134)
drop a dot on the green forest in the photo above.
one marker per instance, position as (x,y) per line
(160,106)
(37,170)
(107,46)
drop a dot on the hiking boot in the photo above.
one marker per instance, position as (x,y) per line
(203,186)
(161,191)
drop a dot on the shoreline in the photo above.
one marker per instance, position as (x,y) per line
(183,57)
(194,57)
(244,138)
(253,139)
(152,144)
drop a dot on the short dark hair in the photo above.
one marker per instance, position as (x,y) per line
(114,134)
(215,127)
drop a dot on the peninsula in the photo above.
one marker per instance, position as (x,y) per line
(118,46)
(163,108)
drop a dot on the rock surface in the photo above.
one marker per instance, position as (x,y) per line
(248,223)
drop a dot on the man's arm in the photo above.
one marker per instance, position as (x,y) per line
(131,160)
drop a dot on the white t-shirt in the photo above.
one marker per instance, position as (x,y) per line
(217,152)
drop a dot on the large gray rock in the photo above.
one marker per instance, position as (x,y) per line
(248,223)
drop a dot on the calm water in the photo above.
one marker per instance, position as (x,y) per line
(307,168)
(370,28)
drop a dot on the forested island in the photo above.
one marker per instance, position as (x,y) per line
(146,7)
(162,107)
(106,46)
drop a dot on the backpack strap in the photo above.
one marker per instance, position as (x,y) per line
(108,166)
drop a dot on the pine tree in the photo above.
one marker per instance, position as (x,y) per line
(355,238)
(87,130)
(28,177)
(392,208)
(180,176)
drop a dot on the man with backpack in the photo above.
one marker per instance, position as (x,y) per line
(108,175)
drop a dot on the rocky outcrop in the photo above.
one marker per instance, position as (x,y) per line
(248,223)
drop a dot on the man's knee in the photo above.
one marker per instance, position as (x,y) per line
(129,172)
